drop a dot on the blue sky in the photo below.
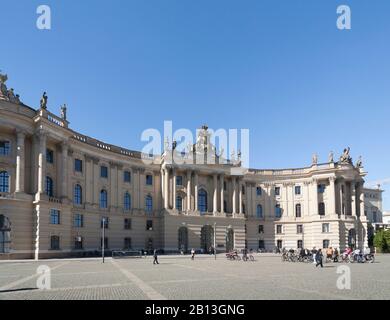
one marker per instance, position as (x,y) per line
(279,68)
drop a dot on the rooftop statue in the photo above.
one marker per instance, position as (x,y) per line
(44,101)
(11,95)
(345,157)
(63,112)
(359,163)
(331,156)
(3,87)
(315,159)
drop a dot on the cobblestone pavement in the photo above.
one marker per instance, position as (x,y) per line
(204,278)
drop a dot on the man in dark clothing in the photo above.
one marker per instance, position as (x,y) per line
(319,258)
(155,261)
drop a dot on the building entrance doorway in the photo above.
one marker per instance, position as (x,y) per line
(206,238)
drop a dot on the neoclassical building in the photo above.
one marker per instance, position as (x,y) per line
(57,185)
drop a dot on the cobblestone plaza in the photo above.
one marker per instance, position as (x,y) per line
(177,277)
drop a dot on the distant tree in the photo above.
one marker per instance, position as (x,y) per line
(382,240)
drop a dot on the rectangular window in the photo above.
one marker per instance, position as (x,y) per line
(4,148)
(127,244)
(127,224)
(277,191)
(49,156)
(325,228)
(54,216)
(321,209)
(149,180)
(325,244)
(103,172)
(261,244)
(127,176)
(279,244)
(258,191)
(261,228)
(78,221)
(224,186)
(179,180)
(374,216)
(299,244)
(105,219)
(78,165)
(54,243)
(149,225)
(321,188)
(78,243)
(279,229)
(278,211)
(297,190)
(299,228)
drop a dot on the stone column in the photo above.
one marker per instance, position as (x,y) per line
(315,197)
(166,188)
(64,172)
(215,195)
(162,187)
(221,177)
(240,209)
(89,180)
(249,200)
(174,188)
(42,162)
(189,190)
(341,198)
(20,162)
(353,199)
(196,190)
(271,192)
(306,211)
(119,191)
(332,196)
(234,196)
(361,200)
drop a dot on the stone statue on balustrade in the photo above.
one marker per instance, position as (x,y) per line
(315,159)
(11,95)
(44,101)
(63,112)
(3,86)
(331,157)
(345,157)
(359,163)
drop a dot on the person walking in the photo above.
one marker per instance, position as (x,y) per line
(319,258)
(192,254)
(314,253)
(155,261)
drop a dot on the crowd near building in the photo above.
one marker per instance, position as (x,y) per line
(57,186)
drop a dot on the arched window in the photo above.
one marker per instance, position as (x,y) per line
(4,181)
(179,203)
(127,201)
(49,187)
(149,204)
(202,201)
(103,199)
(259,211)
(183,239)
(298,210)
(78,194)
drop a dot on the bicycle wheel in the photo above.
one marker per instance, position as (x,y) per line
(252,258)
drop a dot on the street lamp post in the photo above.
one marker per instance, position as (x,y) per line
(215,237)
(104,224)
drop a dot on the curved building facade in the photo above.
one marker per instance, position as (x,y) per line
(56,186)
